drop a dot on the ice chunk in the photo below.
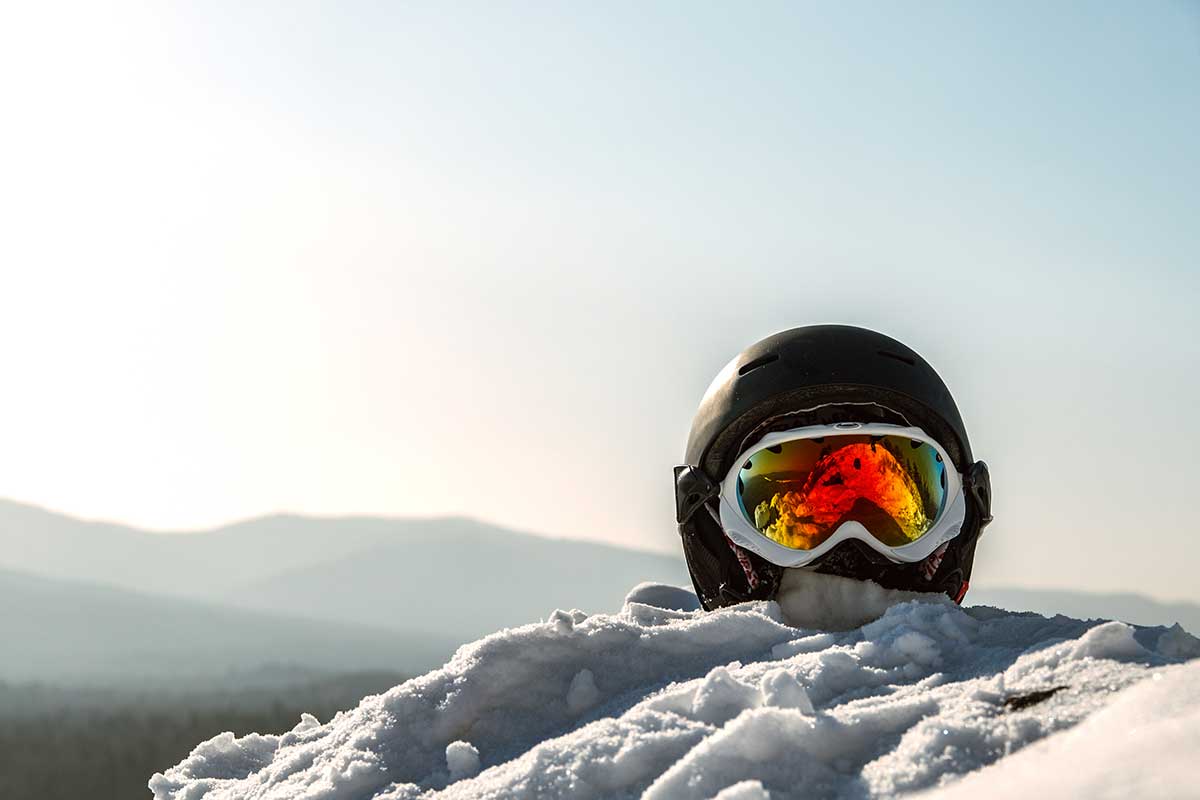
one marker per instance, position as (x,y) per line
(462,760)
(744,790)
(1109,640)
(661,595)
(721,697)
(582,694)
(1178,643)
(781,689)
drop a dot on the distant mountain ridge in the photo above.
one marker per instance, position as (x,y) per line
(467,583)
(1133,608)
(194,564)
(212,564)
(74,633)
(303,587)
(446,579)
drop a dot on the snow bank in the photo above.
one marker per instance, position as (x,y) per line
(663,701)
(1143,744)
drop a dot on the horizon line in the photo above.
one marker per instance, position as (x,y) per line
(329,517)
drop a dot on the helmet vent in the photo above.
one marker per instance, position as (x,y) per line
(761,361)
(898,357)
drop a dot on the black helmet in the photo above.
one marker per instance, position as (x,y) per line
(815,375)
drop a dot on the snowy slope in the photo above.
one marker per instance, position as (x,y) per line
(665,702)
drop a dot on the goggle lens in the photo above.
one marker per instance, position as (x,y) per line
(798,493)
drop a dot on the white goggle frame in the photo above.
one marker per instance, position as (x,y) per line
(743,534)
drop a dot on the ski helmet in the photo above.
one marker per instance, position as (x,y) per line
(817,375)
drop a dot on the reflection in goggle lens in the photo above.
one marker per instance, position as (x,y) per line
(798,493)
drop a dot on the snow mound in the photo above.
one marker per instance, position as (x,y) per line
(1143,744)
(664,701)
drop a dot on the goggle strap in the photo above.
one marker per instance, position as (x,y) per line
(692,490)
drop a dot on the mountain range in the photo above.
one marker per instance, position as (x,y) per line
(99,602)
(93,601)
(75,633)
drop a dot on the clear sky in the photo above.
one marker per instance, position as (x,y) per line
(484,258)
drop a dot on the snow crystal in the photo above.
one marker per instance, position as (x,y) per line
(565,621)
(664,701)
(462,759)
(781,689)
(743,790)
(720,697)
(1110,640)
(582,693)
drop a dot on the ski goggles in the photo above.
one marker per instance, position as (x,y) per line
(794,495)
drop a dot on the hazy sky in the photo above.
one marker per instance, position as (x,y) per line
(485,258)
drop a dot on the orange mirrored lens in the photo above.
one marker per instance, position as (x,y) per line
(798,493)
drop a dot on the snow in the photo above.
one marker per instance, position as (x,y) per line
(462,760)
(582,693)
(826,693)
(831,603)
(1143,744)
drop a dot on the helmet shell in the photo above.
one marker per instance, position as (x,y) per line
(821,374)
(804,368)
